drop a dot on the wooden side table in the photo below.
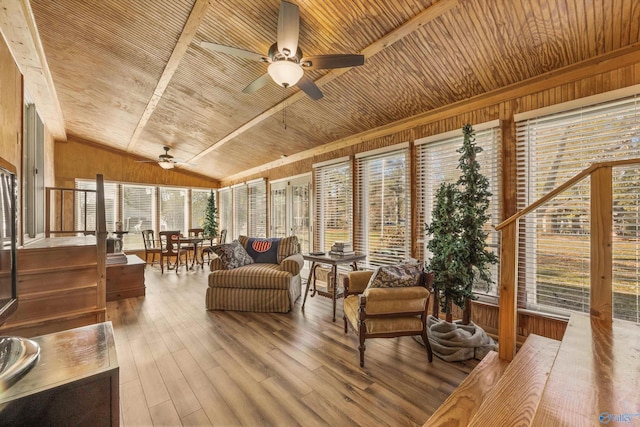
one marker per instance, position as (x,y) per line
(333,261)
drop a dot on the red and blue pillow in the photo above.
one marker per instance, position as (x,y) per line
(263,250)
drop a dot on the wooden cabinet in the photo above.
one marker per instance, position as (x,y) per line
(126,280)
(74,382)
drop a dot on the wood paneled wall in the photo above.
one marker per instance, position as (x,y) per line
(81,159)
(10,109)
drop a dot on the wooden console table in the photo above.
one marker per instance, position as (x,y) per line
(74,382)
(333,261)
(126,280)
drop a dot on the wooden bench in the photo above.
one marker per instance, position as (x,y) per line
(464,402)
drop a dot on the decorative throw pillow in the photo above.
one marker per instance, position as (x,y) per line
(232,255)
(288,246)
(395,276)
(263,250)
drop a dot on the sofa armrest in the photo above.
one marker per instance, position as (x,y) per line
(216,264)
(293,264)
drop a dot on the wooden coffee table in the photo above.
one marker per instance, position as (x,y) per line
(334,261)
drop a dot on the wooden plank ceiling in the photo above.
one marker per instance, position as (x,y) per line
(118,84)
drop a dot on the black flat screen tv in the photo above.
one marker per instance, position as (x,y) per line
(8,244)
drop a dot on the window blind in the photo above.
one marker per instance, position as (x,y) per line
(333,204)
(437,163)
(225,208)
(257,200)
(383,195)
(555,239)
(279,209)
(173,208)
(138,213)
(110,203)
(240,211)
(199,200)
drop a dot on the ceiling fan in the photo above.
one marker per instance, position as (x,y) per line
(286,63)
(166,160)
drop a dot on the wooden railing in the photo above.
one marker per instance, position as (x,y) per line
(601,252)
(61,215)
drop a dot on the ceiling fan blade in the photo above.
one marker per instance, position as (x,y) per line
(234,51)
(321,62)
(310,88)
(257,83)
(288,28)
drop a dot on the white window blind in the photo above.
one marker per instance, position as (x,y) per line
(554,255)
(240,211)
(138,213)
(225,209)
(279,209)
(110,203)
(333,204)
(383,195)
(438,161)
(199,200)
(173,208)
(257,199)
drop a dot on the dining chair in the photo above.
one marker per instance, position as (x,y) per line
(170,244)
(222,237)
(151,247)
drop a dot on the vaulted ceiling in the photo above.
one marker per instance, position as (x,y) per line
(132,74)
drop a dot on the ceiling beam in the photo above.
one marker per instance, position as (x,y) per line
(20,32)
(196,17)
(429,14)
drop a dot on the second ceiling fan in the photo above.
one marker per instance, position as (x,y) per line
(286,63)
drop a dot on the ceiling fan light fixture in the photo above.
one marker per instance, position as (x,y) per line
(285,73)
(166,165)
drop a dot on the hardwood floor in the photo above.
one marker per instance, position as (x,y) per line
(183,365)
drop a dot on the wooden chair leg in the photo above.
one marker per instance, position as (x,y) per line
(362,333)
(344,317)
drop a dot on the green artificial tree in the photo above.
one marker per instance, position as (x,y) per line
(211,217)
(474,214)
(458,244)
(448,284)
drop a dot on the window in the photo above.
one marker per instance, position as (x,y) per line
(333,203)
(291,209)
(173,206)
(33,181)
(257,199)
(438,159)
(226,210)
(111,205)
(279,209)
(138,213)
(554,253)
(240,211)
(383,197)
(199,200)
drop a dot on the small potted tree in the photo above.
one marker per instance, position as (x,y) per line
(211,217)
(460,258)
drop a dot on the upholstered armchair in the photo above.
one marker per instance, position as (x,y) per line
(386,312)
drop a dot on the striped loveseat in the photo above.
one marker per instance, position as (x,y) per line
(262,287)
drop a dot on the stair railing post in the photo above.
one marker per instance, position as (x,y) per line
(602,244)
(101,244)
(507,321)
